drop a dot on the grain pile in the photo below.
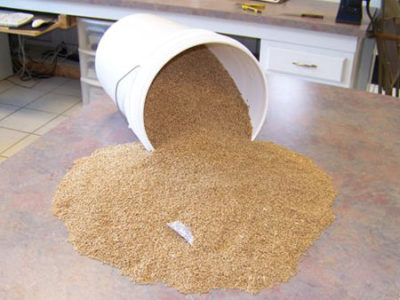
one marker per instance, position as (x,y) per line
(253,207)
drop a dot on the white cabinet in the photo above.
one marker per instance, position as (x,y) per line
(325,58)
(302,63)
(90,32)
(318,56)
(311,55)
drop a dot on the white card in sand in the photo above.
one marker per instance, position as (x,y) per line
(182,230)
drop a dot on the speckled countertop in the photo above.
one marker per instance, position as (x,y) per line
(352,135)
(229,9)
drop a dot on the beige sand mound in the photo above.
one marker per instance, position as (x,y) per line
(253,207)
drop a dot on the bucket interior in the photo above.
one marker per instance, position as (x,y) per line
(247,75)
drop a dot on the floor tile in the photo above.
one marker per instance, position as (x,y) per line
(55,103)
(19,96)
(73,110)
(49,84)
(2,158)
(5,85)
(50,125)
(72,87)
(24,83)
(27,120)
(6,109)
(96,94)
(20,145)
(9,137)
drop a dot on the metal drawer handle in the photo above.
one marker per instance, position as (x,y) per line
(312,66)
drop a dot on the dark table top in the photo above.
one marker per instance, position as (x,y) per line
(352,135)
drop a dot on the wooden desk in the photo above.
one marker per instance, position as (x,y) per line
(343,56)
(352,135)
(60,22)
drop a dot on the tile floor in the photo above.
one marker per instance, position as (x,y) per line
(30,109)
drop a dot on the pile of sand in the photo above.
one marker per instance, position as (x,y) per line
(253,207)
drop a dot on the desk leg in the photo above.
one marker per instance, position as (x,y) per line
(365,64)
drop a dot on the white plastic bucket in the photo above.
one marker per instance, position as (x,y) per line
(134,49)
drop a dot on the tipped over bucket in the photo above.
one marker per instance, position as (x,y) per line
(134,50)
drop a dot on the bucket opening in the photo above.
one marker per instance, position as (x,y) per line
(191,94)
(242,68)
(158,42)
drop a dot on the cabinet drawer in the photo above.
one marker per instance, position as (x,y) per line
(90,32)
(306,64)
(87,64)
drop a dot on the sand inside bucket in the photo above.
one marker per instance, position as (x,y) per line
(254,208)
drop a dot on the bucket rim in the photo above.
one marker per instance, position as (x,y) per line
(150,68)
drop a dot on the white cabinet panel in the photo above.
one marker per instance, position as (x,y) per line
(303,64)
(316,64)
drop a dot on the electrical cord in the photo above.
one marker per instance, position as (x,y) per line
(367,6)
(371,27)
(48,58)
